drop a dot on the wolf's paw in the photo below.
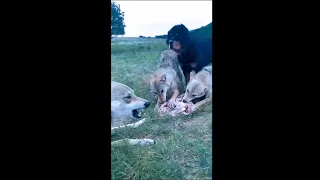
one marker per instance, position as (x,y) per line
(171,103)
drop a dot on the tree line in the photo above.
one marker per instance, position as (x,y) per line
(117,20)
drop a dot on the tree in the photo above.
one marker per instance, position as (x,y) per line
(117,17)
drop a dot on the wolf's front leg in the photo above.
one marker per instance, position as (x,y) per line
(200,103)
(171,102)
(175,93)
(158,104)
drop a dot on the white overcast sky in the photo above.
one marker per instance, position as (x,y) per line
(150,18)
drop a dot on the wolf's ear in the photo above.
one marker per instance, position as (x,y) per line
(192,75)
(163,78)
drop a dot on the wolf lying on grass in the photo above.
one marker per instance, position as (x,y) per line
(125,104)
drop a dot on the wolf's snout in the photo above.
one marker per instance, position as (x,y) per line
(147,104)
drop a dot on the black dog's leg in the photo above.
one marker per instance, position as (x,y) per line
(187,76)
(186,72)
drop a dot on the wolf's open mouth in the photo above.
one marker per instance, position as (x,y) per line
(137,113)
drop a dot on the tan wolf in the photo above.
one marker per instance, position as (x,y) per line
(165,82)
(200,85)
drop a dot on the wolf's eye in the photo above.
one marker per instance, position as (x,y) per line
(161,91)
(155,92)
(193,95)
(128,97)
(187,90)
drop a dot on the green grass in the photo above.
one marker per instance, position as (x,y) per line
(183,148)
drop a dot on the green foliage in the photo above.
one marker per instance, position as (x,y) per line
(117,20)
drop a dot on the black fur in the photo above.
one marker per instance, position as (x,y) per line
(194,54)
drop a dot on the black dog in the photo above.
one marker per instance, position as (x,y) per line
(193,54)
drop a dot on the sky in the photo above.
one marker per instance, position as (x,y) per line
(150,18)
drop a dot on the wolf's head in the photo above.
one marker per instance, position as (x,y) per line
(159,87)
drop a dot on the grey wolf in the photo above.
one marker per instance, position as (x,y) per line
(169,58)
(193,53)
(125,104)
(200,85)
(165,81)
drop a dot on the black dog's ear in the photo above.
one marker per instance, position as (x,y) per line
(184,28)
(185,41)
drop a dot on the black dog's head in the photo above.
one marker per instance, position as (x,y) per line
(178,37)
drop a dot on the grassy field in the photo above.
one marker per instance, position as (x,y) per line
(183,148)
